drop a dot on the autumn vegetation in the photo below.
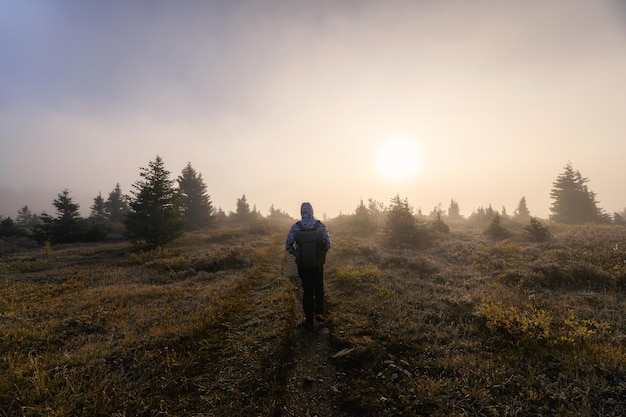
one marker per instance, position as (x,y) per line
(428,315)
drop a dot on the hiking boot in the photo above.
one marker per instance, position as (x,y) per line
(320,317)
(307,324)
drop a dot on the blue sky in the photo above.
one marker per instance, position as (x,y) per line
(289,101)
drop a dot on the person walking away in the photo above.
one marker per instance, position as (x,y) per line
(308,240)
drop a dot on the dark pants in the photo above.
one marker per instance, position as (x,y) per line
(313,287)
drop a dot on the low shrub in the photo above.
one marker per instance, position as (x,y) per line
(515,325)
(532,326)
(576,331)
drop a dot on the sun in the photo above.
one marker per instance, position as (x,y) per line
(398,159)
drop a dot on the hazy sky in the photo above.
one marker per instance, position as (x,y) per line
(287,101)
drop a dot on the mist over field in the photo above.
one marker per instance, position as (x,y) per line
(291,101)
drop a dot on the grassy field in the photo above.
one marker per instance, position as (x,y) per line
(205,326)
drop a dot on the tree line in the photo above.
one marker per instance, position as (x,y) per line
(160,209)
(157,210)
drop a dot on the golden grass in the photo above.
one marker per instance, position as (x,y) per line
(470,326)
(204,326)
(133,333)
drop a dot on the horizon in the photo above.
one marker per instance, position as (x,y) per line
(85,210)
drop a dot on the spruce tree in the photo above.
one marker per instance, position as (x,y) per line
(68,226)
(278,214)
(573,202)
(116,205)
(220,214)
(243,212)
(195,202)
(483,215)
(97,225)
(537,231)
(363,222)
(478,215)
(522,213)
(26,219)
(400,225)
(620,218)
(454,213)
(375,207)
(98,210)
(438,224)
(495,229)
(9,228)
(490,213)
(154,216)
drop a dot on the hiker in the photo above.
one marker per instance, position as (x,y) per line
(308,240)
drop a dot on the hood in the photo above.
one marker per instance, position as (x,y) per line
(306,210)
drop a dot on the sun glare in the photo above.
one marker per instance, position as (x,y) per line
(398,159)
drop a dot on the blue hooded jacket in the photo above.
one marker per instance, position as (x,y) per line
(308,221)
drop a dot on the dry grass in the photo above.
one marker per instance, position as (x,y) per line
(470,326)
(204,327)
(187,330)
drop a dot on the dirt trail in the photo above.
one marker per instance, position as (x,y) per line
(310,389)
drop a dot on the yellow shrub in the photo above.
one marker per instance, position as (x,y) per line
(515,324)
(384,292)
(47,248)
(577,331)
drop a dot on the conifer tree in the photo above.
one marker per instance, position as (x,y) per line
(9,228)
(98,209)
(483,215)
(195,202)
(490,213)
(26,219)
(522,213)
(620,218)
(362,221)
(495,229)
(375,207)
(278,214)
(573,202)
(438,224)
(400,225)
(478,215)
(68,226)
(154,216)
(116,205)
(454,212)
(97,226)
(220,214)
(23,216)
(243,212)
(361,210)
(537,231)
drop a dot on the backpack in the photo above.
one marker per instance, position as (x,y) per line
(310,246)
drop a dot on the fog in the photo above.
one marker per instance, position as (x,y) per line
(290,101)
